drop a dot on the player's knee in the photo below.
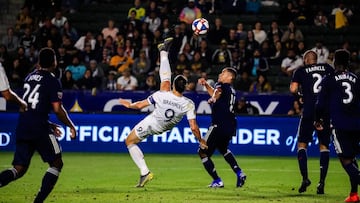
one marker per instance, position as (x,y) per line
(20,170)
(58,163)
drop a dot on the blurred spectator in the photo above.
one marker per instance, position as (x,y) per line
(140,11)
(70,31)
(120,62)
(205,51)
(198,64)
(44,32)
(231,39)
(244,56)
(253,6)
(201,88)
(217,32)
(165,27)
(205,6)
(251,43)
(87,81)
(76,68)
(244,82)
(126,81)
(97,74)
(24,20)
(240,31)
(294,30)
(222,56)
(68,46)
(291,42)
(266,50)
(11,41)
(304,15)
(321,19)
(150,83)
(355,62)
(152,7)
(296,109)
(321,51)
(108,50)
(110,83)
(330,58)
(341,15)
(58,20)
(5,59)
(187,50)
(32,56)
(261,85)
(191,80)
(189,13)
(87,54)
(27,40)
(257,65)
(153,21)
(181,64)
(245,107)
(67,82)
(131,20)
(110,30)
(21,67)
(301,48)
(128,48)
(88,38)
(288,13)
(141,67)
(63,59)
(274,30)
(278,54)
(291,62)
(178,44)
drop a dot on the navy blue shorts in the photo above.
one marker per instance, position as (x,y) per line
(346,143)
(306,131)
(218,138)
(47,146)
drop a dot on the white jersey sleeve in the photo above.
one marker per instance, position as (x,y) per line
(4,83)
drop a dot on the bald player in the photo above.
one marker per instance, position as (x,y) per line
(306,82)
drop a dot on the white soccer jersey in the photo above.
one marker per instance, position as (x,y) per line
(4,83)
(169,110)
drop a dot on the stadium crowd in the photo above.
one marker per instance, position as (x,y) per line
(123,54)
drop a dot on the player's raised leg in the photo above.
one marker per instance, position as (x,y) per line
(165,69)
(230,159)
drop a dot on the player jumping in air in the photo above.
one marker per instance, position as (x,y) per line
(170,107)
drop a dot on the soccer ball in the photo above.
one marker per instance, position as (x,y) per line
(200,26)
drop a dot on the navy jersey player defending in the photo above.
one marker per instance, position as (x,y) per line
(223,126)
(42,92)
(340,92)
(308,78)
(170,108)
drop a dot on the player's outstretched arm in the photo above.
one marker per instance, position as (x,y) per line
(196,131)
(209,89)
(9,95)
(136,105)
(64,117)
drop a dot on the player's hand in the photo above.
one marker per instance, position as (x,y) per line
(124,102)
(319,125)
(211,100)
(72,133)
(203,144)
(56,129)
(202,81)
(23,106)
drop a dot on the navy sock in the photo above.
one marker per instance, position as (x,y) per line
(302,159)
(48,182)
(230,159)
(210,167)
(353,173)
(7,176)
(324,165)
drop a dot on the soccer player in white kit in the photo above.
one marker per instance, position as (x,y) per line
(170,107)
(6,92)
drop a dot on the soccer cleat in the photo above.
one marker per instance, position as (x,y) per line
(165,46)
(353,197)
(241,178)
(144,179)
(320,189)
(217,183)
(304,185)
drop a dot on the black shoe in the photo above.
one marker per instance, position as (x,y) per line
(320,189)
(304,185)
(165,46)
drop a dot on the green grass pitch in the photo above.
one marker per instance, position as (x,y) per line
(110,177)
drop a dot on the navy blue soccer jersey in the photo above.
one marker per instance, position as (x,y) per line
(340,92)
(41,89)
(223,108)
(309,78)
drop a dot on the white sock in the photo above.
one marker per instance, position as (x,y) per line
(138,158)
(165,70)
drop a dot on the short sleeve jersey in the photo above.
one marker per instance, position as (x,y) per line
(309,78)
(41,89)
(340,91)
(170,109)
(223,108)
(4,83)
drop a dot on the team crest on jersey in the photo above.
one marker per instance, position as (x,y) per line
(60,95)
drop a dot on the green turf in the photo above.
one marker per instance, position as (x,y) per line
(90,177)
